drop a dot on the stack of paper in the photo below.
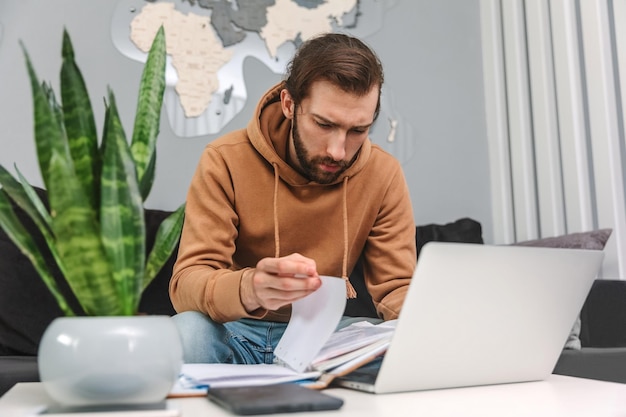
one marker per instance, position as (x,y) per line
(310,348)
(353,342)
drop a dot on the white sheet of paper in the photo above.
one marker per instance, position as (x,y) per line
(313,319)
(219,375)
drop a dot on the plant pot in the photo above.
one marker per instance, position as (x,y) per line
(109,360)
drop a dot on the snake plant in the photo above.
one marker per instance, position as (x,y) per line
(94,223)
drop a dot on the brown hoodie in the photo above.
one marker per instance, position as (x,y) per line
(246,203)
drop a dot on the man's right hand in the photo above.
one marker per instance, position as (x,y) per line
(277,282)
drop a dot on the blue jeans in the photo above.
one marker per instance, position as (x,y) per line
(246,341)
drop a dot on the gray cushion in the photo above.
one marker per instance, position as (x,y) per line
(593,240)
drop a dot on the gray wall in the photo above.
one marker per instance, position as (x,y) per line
(432,55)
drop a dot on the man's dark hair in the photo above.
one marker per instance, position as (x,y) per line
(340,59)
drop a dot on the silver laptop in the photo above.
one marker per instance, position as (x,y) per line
(480,314)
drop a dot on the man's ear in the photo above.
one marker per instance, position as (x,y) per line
(287,104)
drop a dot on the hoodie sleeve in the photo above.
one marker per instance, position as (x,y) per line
(390,254)
(204,277)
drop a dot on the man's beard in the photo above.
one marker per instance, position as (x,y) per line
(310,167)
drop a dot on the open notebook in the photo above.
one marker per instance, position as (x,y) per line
(481,314)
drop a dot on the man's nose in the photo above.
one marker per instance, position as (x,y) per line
(336,147)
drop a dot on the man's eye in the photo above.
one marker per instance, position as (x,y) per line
(324,125)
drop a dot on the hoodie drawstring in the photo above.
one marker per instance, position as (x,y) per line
(350,291)
(276,232)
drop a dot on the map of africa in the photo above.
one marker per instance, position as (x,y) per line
(208,40)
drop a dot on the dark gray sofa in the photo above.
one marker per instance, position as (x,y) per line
(602,336)
(26,308)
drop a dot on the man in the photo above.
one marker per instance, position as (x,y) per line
(301,192)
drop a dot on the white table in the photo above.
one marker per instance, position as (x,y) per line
(557,396)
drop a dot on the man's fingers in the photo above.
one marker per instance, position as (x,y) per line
(289,266)
(287,284)
(280,281)
(274,292)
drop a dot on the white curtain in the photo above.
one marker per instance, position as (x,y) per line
(555,92)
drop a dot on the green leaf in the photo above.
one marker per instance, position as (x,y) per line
(35,200)
(58,115)
(78,241)
(27,199)
(48,134)
(24,241)
(80,125)
(165,242)
(33,208)
(147,118)
(39,214)
(148,178)
(121,213)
